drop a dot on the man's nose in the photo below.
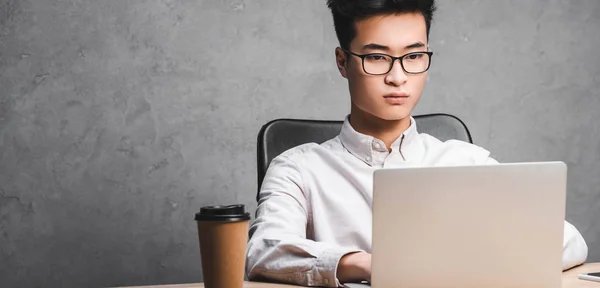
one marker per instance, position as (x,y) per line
(397,75)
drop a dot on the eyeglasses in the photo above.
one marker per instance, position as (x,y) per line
(379,63)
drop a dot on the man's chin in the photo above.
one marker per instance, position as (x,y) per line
(396,113)
(393,116)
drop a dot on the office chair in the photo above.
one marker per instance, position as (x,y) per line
(279,135)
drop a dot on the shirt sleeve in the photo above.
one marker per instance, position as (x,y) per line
(278,249)
(490,161)
(575,250)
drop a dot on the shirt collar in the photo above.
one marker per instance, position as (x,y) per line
(364,146)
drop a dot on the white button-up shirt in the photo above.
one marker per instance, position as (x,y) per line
(315,203)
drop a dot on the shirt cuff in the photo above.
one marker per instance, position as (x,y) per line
(327,265)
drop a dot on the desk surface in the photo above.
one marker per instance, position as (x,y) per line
(569,280)
(570,276)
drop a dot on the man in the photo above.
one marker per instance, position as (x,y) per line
(312,225)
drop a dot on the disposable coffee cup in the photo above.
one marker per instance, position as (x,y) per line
(223,235)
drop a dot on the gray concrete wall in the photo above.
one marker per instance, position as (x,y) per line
(118,119)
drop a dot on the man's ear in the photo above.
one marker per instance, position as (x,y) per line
(341,61)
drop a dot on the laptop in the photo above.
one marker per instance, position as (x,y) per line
(469,226)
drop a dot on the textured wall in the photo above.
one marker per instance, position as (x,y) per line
(118,119)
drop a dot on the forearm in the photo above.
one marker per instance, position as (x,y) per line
(294,260)
(279,250)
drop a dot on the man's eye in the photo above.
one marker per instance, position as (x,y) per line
(414,56)
(376,58)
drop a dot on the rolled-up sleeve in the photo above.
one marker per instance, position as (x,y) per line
(278,249)
(575,250)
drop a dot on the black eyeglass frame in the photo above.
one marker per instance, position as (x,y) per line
(363,56)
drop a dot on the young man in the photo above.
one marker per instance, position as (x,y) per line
(313,223)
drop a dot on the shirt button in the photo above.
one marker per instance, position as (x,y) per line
(368,159)
(376,145)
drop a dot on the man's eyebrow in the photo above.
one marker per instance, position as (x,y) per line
(415,45)
(375,46)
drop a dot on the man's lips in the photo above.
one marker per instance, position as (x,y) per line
(396,98)
(396,95)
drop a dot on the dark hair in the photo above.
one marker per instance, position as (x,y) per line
(347,12)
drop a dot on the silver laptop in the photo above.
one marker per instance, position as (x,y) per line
(474,226)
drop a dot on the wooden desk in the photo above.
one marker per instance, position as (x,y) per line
(569,280)
(200,285)
(570,276)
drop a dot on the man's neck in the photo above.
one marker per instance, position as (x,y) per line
(385,130)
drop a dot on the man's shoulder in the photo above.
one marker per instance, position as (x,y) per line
(455,147)
(305,151)
(451,143)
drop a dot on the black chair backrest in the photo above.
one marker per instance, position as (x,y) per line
(279,135)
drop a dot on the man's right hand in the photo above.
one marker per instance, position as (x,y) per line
(354,267)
